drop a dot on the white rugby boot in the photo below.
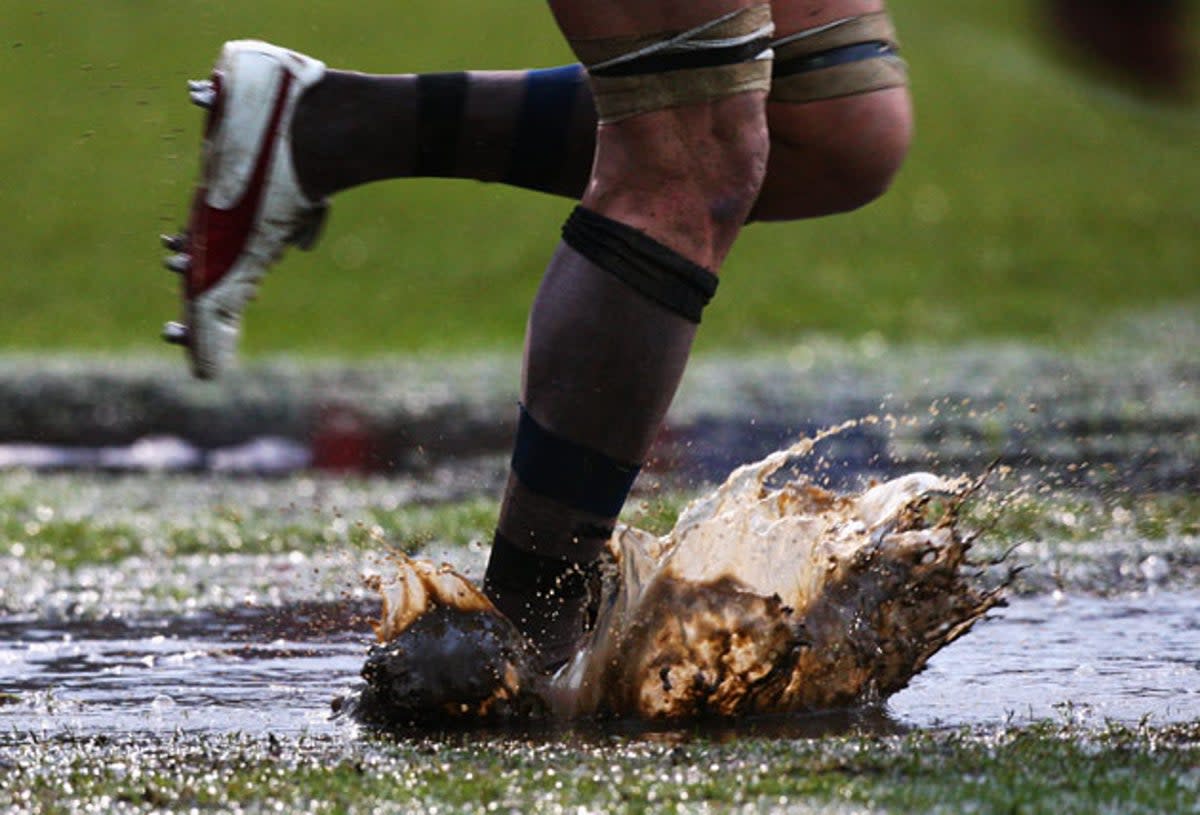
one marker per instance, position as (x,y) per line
(248,204)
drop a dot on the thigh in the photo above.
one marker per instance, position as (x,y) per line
(593,19)
(792,16)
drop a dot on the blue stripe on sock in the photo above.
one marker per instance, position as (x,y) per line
(570,473)
(543,126)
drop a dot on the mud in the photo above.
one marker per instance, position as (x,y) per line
(1103,624)
(762,600)
(444,653)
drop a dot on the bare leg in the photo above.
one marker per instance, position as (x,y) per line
(831,155)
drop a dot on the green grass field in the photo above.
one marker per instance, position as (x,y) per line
(1042,769)
(1034,204)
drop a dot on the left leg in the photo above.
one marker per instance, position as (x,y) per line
(308,132)
(681,150)
(532,129)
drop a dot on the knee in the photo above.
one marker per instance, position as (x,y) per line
(866,165)
(690,171)
(723,163)
(739,149)
(835,155)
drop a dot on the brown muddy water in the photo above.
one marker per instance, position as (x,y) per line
(769,596)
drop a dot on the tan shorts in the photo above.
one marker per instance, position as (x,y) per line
(844,58)
(723,57)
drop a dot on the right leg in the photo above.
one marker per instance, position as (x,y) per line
(832,148)
(535,130)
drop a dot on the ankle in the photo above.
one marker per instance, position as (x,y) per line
(552,601)
(310,126)
(335,146)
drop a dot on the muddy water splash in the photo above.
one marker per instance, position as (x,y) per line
(762,599)
(445,652)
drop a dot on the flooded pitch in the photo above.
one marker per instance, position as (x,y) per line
(1090,659)
(766,598)
(1103,629)
(220,605)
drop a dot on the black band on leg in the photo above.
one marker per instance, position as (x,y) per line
(543,129)
(441,100)
(569,473)
(707,57)
(512,568)
(642,263)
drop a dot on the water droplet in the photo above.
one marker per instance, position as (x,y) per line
(162,703)
(1155,569)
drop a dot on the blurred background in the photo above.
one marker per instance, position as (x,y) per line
(1054,184)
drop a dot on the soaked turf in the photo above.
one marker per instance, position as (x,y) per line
(277,669)
(152,604)
(145,543)
(170,641)
(756,768)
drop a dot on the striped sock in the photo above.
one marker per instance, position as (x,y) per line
(532,129)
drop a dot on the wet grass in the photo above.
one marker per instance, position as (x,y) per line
(73,520)
(80,519)
(93,535)
(87,545)
(1034,203)
(1081,516)
(1043,768)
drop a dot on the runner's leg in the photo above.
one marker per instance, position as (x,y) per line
(613,321)
(536,130)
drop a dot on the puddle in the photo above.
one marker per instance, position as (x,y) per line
(766,598)
(1120,659)
(1092,659)
(185,654)
(249,670)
